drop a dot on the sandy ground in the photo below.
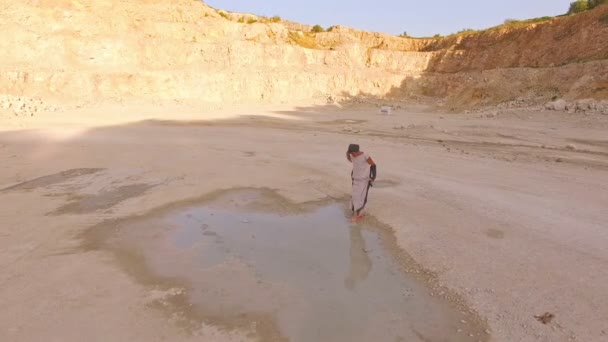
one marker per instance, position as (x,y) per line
(509,212)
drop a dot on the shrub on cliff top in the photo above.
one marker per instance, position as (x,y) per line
(317,29)
(306,40)
(514,22)
(466,30)
(595,3)
(578,6)
(583,5)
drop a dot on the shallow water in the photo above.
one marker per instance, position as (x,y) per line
(312,273)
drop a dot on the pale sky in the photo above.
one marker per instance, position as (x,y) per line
(418,18)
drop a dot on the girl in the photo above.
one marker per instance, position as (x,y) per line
(363,175)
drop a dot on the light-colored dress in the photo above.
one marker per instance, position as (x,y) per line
(361,180)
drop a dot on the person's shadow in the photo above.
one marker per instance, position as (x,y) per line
(360,263)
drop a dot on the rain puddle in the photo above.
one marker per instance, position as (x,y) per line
(247,259)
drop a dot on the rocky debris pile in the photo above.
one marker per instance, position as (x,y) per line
(21,106)
(587,106)
(520,102)
(488,112)
(558,105)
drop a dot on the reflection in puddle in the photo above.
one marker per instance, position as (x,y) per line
(316,276)
(360,262)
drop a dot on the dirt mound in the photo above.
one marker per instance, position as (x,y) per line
(164,50)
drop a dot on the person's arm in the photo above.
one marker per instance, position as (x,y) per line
(372,169)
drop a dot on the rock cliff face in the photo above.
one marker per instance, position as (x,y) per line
(89,50)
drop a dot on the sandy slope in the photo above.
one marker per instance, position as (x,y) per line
(477,201)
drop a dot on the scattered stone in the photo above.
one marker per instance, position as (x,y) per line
(386,110)
(487,332)
(347,129)
(585,105)
(571,147)
(545,318)
(602,107)
(399,127)
(559,160)
(22,106)
(571,109)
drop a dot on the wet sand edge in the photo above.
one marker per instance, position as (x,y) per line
(95,238)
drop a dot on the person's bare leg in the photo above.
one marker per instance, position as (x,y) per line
(357,216)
